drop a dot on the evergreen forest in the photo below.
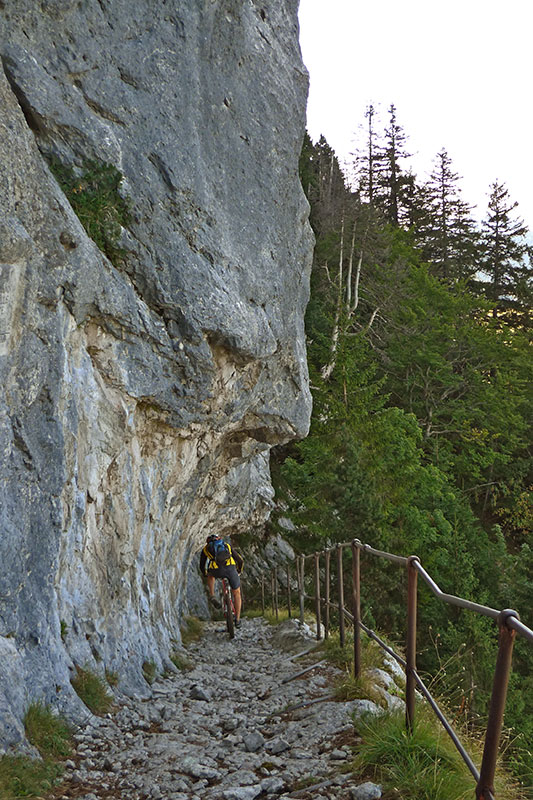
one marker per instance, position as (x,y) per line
(419,348)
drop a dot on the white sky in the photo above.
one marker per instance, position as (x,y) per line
(459,72)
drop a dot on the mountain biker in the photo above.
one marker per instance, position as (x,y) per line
(227,565)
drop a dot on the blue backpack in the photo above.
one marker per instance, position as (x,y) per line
(220,551)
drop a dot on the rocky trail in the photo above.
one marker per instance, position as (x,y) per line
(221,731)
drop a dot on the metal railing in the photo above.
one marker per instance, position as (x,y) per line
(508,622)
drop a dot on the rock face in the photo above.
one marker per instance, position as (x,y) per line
(138,401)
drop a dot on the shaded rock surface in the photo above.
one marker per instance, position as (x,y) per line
(139,400)
(242,745)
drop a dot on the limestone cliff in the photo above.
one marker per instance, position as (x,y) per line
(139,398)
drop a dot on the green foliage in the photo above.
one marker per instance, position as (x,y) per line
(111,677)
(64,629)
(92,690)
(49,733)
(271,618)
(421,766)
(252,613)
(181,661)
(94,196)
(420,439)
(149,670)
(25,777)
(342,657)
(191,630)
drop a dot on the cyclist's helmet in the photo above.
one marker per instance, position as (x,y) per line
(212,537)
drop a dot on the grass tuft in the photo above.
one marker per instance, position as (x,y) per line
(191,630)
(181,661)
(111,677)
(21,776)
(421,766)
(252,613)
(24,777)
(47,732)
(92,690)
(149,671)
(342,657)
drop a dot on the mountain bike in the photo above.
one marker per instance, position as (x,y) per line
(228,608)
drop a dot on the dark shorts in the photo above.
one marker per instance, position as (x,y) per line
(227,572)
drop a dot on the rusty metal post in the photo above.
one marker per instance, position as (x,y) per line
(263,594)
(289,605)
(300,566)
(276,592)
(497,705)
(317,597)
(412,580)
(327,558)
(340,581)
(356,609)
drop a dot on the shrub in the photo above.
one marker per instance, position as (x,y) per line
(92,690)
(95,198)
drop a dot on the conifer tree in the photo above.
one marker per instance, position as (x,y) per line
(390,178)
(446,231)
(369,158)
(505,255)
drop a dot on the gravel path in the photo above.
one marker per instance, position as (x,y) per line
(220,731)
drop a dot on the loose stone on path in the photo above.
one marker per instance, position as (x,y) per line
(221,731)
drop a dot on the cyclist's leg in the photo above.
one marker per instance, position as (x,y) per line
(211,591)
(235,583)
(237,602)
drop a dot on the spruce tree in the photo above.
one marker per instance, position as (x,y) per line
(390,178)
(369,158)
(446,231)
(505,260)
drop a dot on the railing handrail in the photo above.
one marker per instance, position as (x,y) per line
(513,620)
(508,622)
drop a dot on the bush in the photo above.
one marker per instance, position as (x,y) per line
(95,198)
(92,690)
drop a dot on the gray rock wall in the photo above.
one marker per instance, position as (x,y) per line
(138,403)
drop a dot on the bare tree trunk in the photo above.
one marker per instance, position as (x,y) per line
(328,368)
(330,179)
(349,273)
(372,318)
(356,285)
(358,276)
